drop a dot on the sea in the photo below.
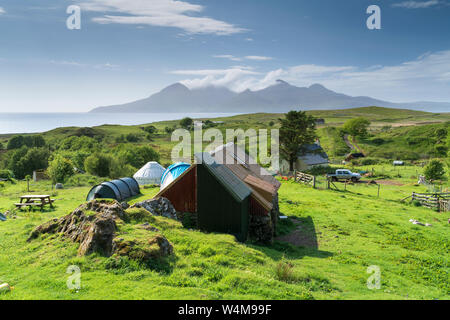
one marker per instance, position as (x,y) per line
(40,122)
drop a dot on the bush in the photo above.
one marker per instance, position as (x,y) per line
(131,137)
(136,156)
(16,142)
(186,123)
(98,164)
(434,170)
(6,174)
(60,169)
(24,161)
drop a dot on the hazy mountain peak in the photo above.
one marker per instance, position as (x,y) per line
(317,86)
(280,97)
(176,87)
(282,82)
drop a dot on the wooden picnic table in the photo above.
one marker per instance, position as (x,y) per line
(34,200)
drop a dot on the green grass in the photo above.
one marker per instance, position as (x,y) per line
(352,231)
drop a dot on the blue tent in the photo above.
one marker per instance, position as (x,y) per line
(173,172)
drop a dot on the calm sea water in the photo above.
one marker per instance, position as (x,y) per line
(40,122)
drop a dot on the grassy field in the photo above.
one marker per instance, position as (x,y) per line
(344,233)
(322,250)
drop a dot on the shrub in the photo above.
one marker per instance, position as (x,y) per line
(98,164)
(357,127)
(6,174)
(434,170)
(136,156)
(60,169)
(131,137)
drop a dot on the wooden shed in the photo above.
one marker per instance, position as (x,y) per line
(219,198)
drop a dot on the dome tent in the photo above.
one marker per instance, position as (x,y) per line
(151,173)
(173,172)
(120,190)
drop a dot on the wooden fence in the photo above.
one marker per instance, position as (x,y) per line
(305,178)
(436,201)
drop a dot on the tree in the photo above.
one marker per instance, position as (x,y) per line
(98,164)
(434,170)
(60,169)
(16,142)
(357,127)
(24,161)
(136,156)
(186,123)
(297,129)
(441,134)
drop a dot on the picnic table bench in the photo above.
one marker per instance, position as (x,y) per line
(34,201)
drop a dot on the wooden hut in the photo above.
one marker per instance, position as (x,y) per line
(215,194)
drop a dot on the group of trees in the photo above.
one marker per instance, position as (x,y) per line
(73,155)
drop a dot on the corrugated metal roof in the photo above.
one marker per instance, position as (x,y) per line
(233,156)
(313,159)
(225,176)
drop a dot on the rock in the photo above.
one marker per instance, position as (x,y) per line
(94,232)
(158,207)
(93,226)
(59,186)
(155,248)
(148,227)
(125,205)
(4,288)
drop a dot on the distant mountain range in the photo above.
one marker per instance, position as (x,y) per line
(280,97)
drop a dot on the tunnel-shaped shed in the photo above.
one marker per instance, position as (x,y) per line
(120,190)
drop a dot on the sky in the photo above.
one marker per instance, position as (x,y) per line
(129,49)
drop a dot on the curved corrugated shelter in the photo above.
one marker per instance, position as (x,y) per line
(151,173)
(120,190)
(173,172)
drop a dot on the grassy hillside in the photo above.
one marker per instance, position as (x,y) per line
(341,235)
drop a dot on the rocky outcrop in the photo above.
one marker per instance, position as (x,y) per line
(158,207)
(94,226)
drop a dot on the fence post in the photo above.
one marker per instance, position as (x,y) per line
(379,191)
(314,182)
(295,175)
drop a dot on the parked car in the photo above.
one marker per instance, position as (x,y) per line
(344,174)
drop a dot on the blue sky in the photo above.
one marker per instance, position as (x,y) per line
(129,49)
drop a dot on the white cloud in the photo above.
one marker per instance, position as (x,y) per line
(416,4)
(2,11)
(258,58)
(227,56)
(424,78)
(233,58)
(161,13)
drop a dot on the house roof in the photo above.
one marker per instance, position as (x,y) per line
(242,164)
(312,154)
(225,176)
